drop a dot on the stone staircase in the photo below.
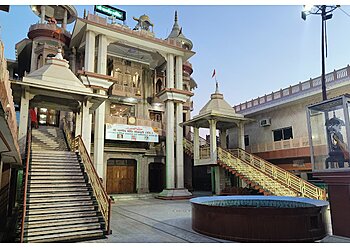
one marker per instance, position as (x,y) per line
(60,204)
(261,175)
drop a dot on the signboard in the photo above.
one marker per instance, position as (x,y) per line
(111,11)
(124,132)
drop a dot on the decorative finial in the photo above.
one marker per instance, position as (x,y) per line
(84,13)
(59,54)
(217,88)
(175,15)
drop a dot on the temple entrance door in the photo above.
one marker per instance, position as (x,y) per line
(121,178)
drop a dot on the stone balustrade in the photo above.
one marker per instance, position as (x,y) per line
(295,90)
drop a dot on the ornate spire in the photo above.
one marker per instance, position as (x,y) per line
(177,34)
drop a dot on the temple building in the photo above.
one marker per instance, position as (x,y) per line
(132,88)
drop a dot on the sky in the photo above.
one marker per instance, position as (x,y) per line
(254,49)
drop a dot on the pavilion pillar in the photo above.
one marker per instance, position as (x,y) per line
(89,63)
(241,135)
(169,108)
(213,146)
(222,135)
(179,129)
(86,125)
(23,120)
(100,111)
(196,144)
(78,123)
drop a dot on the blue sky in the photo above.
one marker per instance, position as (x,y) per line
(254,49)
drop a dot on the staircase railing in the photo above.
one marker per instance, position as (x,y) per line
(103,200)
(295,183)
(24,209)
(260,179)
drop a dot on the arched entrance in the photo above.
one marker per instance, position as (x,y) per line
(121,176)
(156,177)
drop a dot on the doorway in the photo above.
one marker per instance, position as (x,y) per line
(121,176)
(156,177)
(48,117)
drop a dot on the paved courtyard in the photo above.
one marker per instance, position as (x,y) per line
(153,221)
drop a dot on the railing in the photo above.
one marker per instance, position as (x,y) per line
(49,26)
(297,184)
(260,179)
(263,172)
(331,78)
(29,142)
(279,145)
(103,200)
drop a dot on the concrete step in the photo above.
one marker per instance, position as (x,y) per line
(53,152)
(58,199)
(58,194)
(63,237)
(57,211)
(71,221)
(56,182)
(60,204)
(48,177)
(56,186)
(56,169)
(60,216)
(61,229)
(53,173)
(56,164)
(61,159)
(57,189)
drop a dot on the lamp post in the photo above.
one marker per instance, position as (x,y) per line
(326,13)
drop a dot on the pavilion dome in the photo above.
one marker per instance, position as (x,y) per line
(218,105)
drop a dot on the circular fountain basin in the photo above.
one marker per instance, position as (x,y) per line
(260,218)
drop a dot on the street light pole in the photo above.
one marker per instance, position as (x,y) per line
(325,15)
(324,91)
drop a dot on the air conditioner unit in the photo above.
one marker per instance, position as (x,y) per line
(265,122)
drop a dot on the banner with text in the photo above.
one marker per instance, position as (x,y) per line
(124,132)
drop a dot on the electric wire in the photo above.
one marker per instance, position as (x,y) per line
(344,12)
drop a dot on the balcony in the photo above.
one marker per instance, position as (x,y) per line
(49,30)
(301,142)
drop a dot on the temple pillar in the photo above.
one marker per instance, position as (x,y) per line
(89,63)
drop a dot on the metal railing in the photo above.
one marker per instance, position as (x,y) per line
(293,182)
(24,209)
(103,200)
(271,177)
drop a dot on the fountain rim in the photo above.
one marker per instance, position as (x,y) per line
(202,200)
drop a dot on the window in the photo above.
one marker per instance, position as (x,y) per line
(246,140)
(155,116)
(282,134)
(122,110)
